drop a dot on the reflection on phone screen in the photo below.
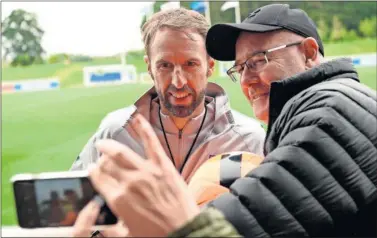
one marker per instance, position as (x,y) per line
(59,201)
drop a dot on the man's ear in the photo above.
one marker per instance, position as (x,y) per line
(211,66)
(311,47)
(147,61)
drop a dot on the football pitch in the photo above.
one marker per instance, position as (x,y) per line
(45,131)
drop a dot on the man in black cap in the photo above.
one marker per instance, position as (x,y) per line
(319,176)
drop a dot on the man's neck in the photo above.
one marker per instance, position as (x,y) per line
(180,122)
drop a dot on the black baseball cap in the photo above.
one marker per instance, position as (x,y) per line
(221,38)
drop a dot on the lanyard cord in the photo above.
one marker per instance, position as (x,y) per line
(193,143)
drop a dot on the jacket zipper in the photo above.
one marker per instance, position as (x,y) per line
(180,146)
(180,134)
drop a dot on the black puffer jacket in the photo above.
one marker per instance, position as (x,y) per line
(319,177)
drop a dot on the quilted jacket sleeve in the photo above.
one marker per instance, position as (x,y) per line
(320,179)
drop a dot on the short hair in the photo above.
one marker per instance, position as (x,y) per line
(178,19)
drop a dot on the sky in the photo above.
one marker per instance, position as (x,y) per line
(89,28)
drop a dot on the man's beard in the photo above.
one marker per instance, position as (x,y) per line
(179,110)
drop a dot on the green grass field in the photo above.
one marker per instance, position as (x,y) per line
(351,48)
(45,131)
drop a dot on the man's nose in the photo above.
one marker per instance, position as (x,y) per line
(178,80)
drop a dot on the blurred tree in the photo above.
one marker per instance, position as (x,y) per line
(349,13)
(351,35)
(348,16)
(186,4)
(21,59)
(338,30)
(39,60)
(157,6)
(58,58)
(218,16)
(214,10)
(77,58)
(21,38)
(323,29)
(368,27)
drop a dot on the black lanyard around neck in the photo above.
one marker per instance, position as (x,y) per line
(193,143)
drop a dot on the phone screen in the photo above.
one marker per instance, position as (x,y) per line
(56,202)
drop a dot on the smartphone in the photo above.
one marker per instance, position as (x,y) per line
(55,199)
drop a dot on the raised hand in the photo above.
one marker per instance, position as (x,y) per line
(148,195)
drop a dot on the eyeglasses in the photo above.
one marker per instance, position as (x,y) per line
(256,63)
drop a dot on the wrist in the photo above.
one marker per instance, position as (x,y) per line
(181,216)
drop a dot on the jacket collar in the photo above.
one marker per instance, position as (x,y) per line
(191,127)
(283,90)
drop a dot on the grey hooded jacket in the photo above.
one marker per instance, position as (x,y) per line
(223,130)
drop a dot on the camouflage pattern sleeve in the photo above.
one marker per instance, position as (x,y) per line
(209,223)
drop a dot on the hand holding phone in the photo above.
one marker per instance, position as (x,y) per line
(55,199)
(86,220)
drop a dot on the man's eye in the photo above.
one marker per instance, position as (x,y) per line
(165,65)
(191,63)
(260,62)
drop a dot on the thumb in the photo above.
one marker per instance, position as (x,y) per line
(86,220)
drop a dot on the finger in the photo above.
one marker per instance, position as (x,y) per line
(116,167)
(152,145)
(118,230)
(110,167)
(121,175)
(86,220)
(120,153)
(103,183)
